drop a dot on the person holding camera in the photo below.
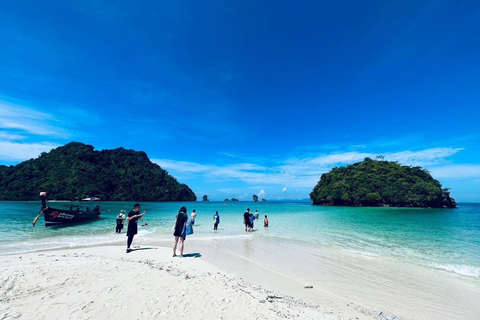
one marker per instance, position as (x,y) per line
(132,219)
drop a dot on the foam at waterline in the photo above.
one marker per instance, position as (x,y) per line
(198,236)
(461,269)
(145,232)
(361,253)
(214,237)
(61,243)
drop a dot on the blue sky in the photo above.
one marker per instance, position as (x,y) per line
(236,98)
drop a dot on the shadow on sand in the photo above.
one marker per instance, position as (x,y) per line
(192,255)
(138,249)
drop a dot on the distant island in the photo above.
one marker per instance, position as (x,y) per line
(77,170)
(380,183)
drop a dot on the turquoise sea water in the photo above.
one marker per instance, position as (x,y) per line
(447,239)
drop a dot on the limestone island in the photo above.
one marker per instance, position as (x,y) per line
(77,170)
(376,183)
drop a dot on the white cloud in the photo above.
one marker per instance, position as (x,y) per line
(11,151)
(331,159)
(423,157)
(461,171)
(11,136)
(323,163)
(261,194)
(228,155)
(359,146)
(23,121)
(182,166)
(26,119)
(20,123)
(230,191)
(284,190)
(26,125)
(298,173)
(247,172)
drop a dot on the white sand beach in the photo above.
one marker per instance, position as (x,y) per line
(104,282)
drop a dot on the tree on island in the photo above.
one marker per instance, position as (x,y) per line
(233,199)
(77,170)
(255,197)
(226,200)
(380,183)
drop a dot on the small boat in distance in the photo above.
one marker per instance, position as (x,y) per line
(76,211)
(91,199)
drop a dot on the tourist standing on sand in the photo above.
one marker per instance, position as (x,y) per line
(216,221)
(180,230)
(120,218)
(132,219)
(193,215)
(246,219)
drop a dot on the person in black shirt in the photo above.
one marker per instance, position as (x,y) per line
(180,230)
(132,219)
(246,219)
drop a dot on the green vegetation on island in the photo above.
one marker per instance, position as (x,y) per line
(380,183)
(77,170)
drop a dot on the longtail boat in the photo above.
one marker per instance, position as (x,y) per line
(75,212)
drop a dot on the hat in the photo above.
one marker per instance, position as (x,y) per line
(122,211)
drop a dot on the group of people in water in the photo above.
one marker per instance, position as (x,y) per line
(183,225)
(249,220)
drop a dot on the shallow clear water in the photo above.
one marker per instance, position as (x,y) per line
(447,239)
